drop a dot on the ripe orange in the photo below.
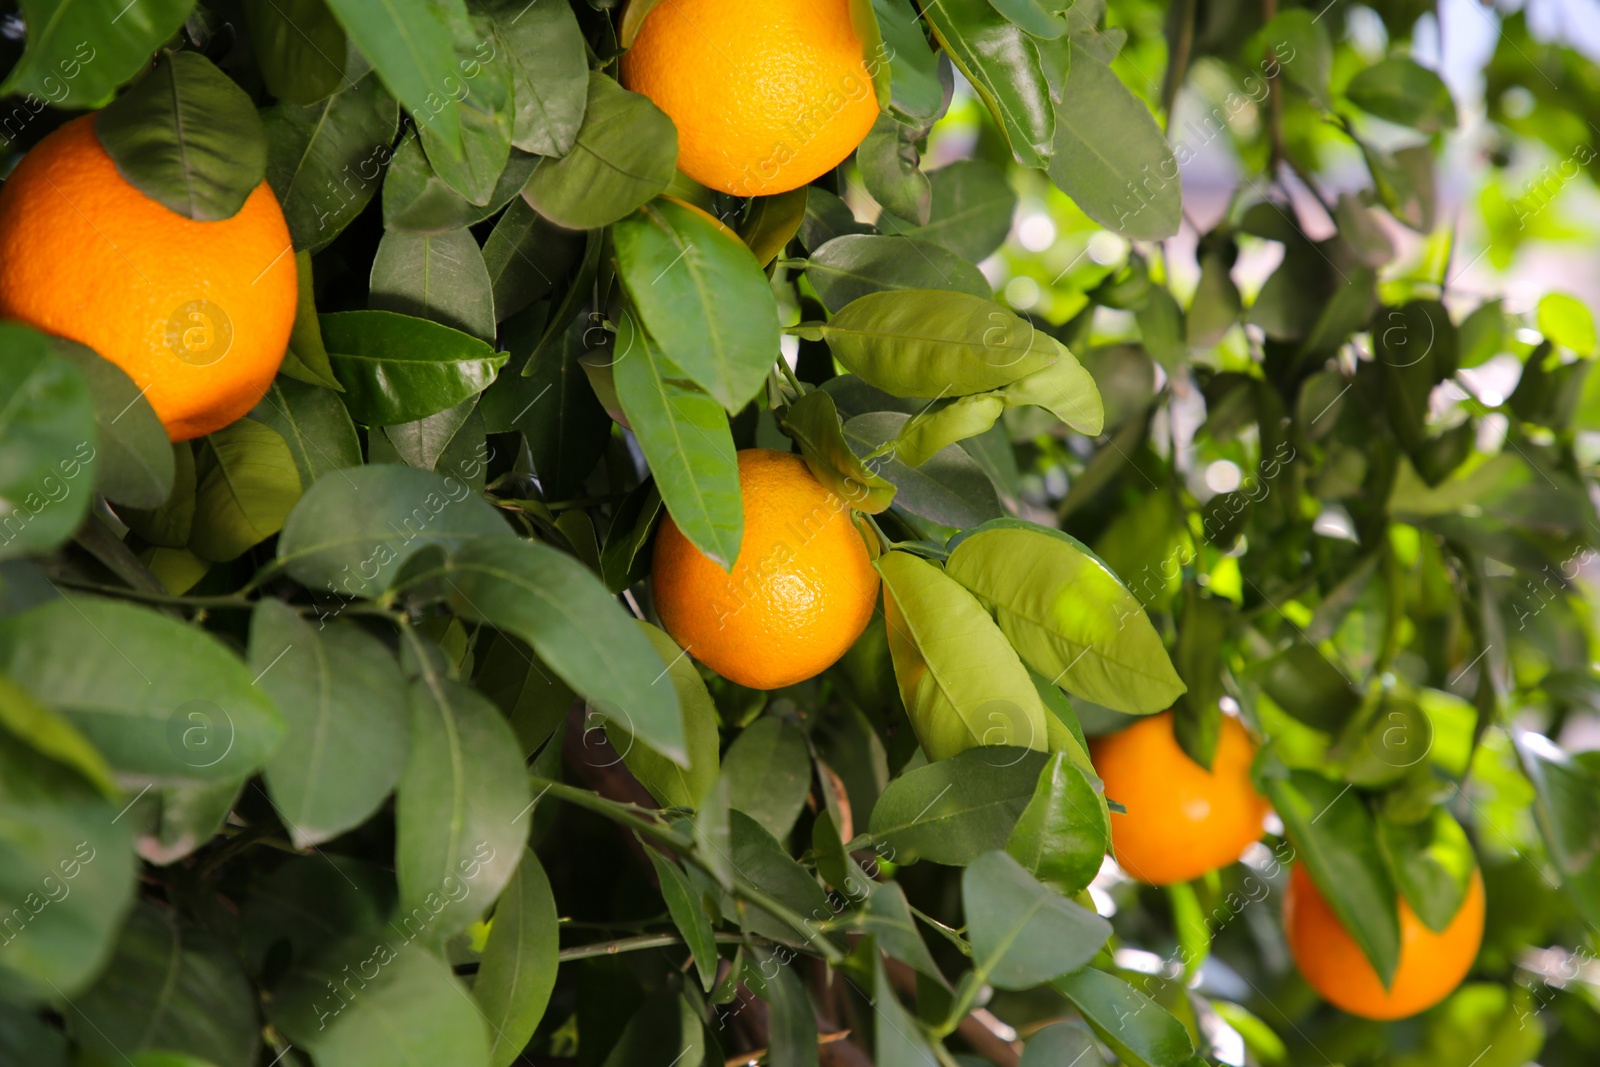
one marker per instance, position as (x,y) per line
(1182,820)
(801,591)
(197,313)
(1431,965)
(765,96)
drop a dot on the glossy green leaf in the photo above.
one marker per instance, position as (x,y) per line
(671,784)
(923,342)
(246,485)
(854,265)
(91,46)
(626,152)
(916,92)
(48,443)
(350,535)
(325,160)
(549,73)
(768,769)
(962,684)
(162,700)
(1334,836)
(971,213)
(1068,615)
(171,987)
(441,277)
(1064,832)
(1140,1032)
(554,603)
(460,809)
(1002,63)
(1401,90)
(685,437)
(1111,156)
(343,703)
(1024,933)
(187,137)
(518,970)
(701,296)
(314,424)
(300,48)
(683,904)
(396,368)
(955,810)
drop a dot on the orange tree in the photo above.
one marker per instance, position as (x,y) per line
(527,535)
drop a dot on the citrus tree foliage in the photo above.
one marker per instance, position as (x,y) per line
(342,736)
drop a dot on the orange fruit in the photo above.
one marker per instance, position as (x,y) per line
(197,313)
(765,96)
(1182,819)
(801,591)
(1431,964)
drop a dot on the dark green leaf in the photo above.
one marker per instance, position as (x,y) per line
(343,702)
(396,368)
(47,440)
(246,485)
(1403,91)
(887,917)
(916,91)
(669,783)
(623,560)
(169,525)
(901,1040)
(1197,715)
(1432,864)
(518,969)
(701,295)
(93,46)
(772,222)
(1063,834)
(549,67)
(686,440)
(971,214)
(1002,63)
(314,423)
(1024,933)
(132,455)
(300,48)
(441,277)
(1138,1030)
(1062,1043)
(425,442)
(187,137)
(625,154)
(857,264)
(768,770)
(955,810)
(164,701)
(793,1037)
(526,254)
(950,489)
(418,199)
(891,170)
(683,903)
(482,93)
(760,860)
(25,1038)
(324,160)
(1111,157)
(1303,682)
(664,1032)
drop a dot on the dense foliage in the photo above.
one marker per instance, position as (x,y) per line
(342,736)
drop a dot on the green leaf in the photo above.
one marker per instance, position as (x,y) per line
(1068,615)
(1038,21)
(971,215)
(324,160)
(187,137)
(1023,933)
(891,169)
(307,357)
(626,153)
(683,903)
(1139,1031)
(1002,63)
(1061,1043)
(1333,832)
(549,70)
(518,969)
(1197,715)
(411,44)
(1431,862)
(441,277)
(686,440)
(1401,90)
(1567,321)
(314,424)
(768,770)
(164,701)
(26,1038)
(49,734)
(171,987)
(554,603)
(47,439)
(93,46)
(247,484)
(827,217)
(887,917)
(418,199)
(962,684)
(169,525)
(624,559)
(1064,832)
(413,1013)
(923,342)
(664,1032)
(67,881)
(916,92)
(1300,48)
(673,785)
(701,295)
(760,860)
(424,443)
(771,222)
(1111,156)
(857,264)
(482,100)
(793,1030)
(343,702)
(133,457)
(300,48)
(955,810)
(1065,390)
(901,1040)
(351,535)
(951,488)
(1303,682)
(1566,794)
(178,819)
(526,254)
(813,422)
(461,809)
(936,428)
(396,368)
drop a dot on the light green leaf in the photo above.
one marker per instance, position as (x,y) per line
(813,422)
(1024,933)
(1140,1032)
(930,431)
(518,970)
(1567,321)
(1401,90)
(246,485)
